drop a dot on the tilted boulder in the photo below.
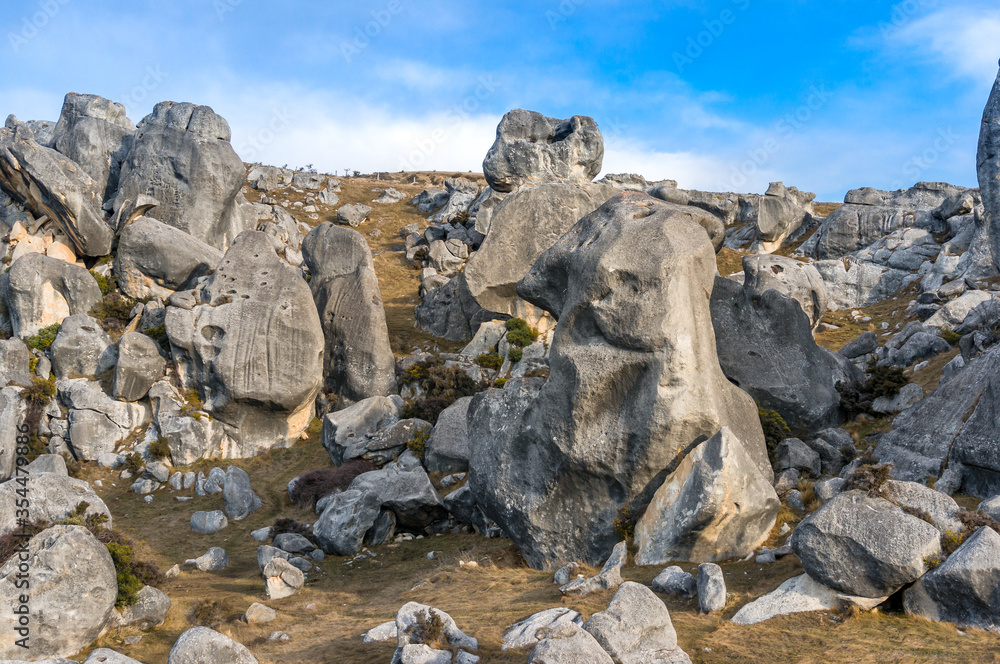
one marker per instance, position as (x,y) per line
(634,381)
(963,589)
(568,643)
(781,212)
(525,224)
(799,281)
(49,184)
(953,428)
(42,291)
(181,156)
(347,518)
(13,410)
(715,506)
(155,260)
(864,546)
(358,360)
(531,148)
(404,488)
(139,366)
(636,628)
(766,347)
(988,164)
(97,423)
(254,350)
(345,429)
(95,133)
(73,591)
(799,594)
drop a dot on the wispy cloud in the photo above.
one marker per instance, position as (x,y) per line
(965,39)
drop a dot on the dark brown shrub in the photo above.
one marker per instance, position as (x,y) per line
(315,484)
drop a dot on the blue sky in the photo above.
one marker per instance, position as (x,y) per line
(719,95)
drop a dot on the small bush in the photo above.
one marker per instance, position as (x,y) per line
(499,383)
(871,477)
(886,382)
(624,523)
(44,338)
(429,629)
(285,525)
(159,448)
(106,285)
(112,312)
(40,392)
(973,521)
(316,484)
(491,361)
(537,373)
(881,382)
(418,444)
(950,540)
(923,515)
(128,583)
(158,333)
(515,355)
(951,336)
(209,613)
(519,333)
(775,428)
(442,386)
(133,462)
(809,497)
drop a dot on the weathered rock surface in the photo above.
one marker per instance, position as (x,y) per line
(358,361)
(353,215)
(765,346)
(343,430)
(569,644)
(711,588)
(531,148)
(963,589)
(636,628)
(200,645)
(988,165)
(240,499)
(149,610)
(609,577)
(716,505)
(42,291)
(341,528)
(404,488)
(73,590)
(139,366)
(82,348)
(799,281)
(864,546)
(97,423)
(13,410)
(282,579)
(675,581)
(49,184)
(95,133)
(634,382)
(181,156)
(448,446)
(411,629)
(206,523)
(155,259)
(531,630)
(255,349)
(53,497)
(780,214)
(799,594)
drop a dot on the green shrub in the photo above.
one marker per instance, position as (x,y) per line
(442,386)
(158,333)
(519,333)
(112,312)
(40,392)
(885,382)
(491,361)
(418,444)
(159,448)
(106,285)
(515,355)
(775,428)
(44,338)
(500,382)
(951,336)
(882,381)
(624,523)
(133,462)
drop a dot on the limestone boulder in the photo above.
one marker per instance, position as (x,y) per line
(53,498)
(82,348)
(715,506)
(636,628)
(531,149)
(358,360)
(634,382)
(200,645)
(182,157)
(41,291)
(795,279)
(155,259)
(254,348)
(988,166)
(140,364)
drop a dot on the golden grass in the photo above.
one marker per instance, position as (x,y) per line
(825,209)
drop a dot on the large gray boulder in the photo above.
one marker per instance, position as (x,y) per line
(139,366)
(952,428)
(41,291)
(531,148)
(341,528)
(82,348)
(988,164)
(799,281)
(451,312)
(13,410)
(864,546)
(155,259)
(344,430)
(569,643)
(14,362)
(49,184)
(149,611)
(53,498)
(240,499)
(636,628)
(73,591)
(95,133)
(715,506)
(404,488)
(358,360)
(200,645)
(382,446)
(964,589)
(634,382)
(780,213)
(525,224)
(766,347)
(181,156)
(97,423)
(448,446)
(800,594)
(254,350)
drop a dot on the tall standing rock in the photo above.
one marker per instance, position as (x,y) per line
(181,156)
(531,148)
(96,134)
(988,162)
(254,350)
(635,383)
(42,291)
(49,184)
(358,362)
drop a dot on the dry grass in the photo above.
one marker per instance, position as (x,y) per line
(891,311)
(730,261)
(826,209)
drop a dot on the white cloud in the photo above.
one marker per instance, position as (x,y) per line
(966,39)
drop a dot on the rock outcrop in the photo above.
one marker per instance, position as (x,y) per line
(358,361)
(254,349)
(155,260)
(181,156)
(988,164)
(41,291)
(634,383)
(531,148)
